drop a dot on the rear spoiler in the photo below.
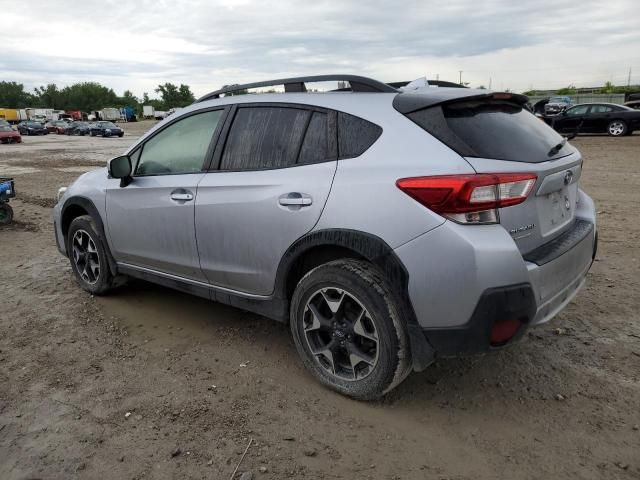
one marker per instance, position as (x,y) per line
(411,102)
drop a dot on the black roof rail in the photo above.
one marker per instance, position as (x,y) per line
(297,84)
(437,83)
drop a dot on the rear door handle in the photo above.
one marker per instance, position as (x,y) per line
(295,199)
(181,195)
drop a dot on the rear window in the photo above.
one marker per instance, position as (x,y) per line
(491,129)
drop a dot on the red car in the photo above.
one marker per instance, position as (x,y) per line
(9,135)
(56,126)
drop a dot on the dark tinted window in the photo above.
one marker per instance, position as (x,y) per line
(264,137)
(579,110)
(601,109)
(315,145)
(355,135)
(491,129)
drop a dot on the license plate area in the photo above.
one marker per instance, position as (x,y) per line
(556,210)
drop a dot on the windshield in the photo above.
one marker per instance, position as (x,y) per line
(107,125)
(5,128)
(559,100)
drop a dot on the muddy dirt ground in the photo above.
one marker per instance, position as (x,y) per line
(151,383)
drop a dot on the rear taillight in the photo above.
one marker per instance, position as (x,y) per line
(469,198)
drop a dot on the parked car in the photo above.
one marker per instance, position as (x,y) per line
(30,127)
(8,134)
(78,128)
(616,120)
(388,229)
(556,105)
(56,126)
(635,104)
(105,129)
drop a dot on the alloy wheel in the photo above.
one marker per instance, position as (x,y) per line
(616,128)
(340,334)
(85,257)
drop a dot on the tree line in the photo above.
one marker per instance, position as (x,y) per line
(89,96)
(606,88)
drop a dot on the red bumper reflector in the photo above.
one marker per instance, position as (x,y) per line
(503,331)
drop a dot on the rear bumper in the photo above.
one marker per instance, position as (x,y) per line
(462,279)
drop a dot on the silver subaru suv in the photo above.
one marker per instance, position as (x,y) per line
(387,227)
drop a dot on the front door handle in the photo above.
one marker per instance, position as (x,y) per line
(181,195)
(295,199)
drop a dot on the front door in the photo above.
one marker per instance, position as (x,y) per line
(151,221)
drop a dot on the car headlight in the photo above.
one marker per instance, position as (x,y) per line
(61,192)
(107,129)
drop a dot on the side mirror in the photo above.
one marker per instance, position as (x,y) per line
(120,167)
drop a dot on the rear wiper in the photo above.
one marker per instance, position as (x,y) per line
(558,147)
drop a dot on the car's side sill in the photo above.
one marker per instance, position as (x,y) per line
(268,306)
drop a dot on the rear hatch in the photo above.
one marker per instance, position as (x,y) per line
(495,133)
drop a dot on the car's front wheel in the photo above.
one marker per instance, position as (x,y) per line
(617,128)
(88,256)
(347,328)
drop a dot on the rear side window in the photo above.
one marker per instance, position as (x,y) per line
(264,137)
(315,147)
(355,135)
(491,129)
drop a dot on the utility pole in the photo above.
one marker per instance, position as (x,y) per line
(490,83)
(629,78)
(460,71)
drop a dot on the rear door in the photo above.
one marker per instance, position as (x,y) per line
(597,119)
(151,221)
(268,185)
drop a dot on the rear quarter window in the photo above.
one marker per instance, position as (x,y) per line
(355,135)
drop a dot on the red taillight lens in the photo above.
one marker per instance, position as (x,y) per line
(457,196)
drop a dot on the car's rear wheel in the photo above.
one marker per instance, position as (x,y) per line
(346,326)
(6,213)
(617,128)
(88,256)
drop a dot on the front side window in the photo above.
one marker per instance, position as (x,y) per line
(580,110)
(181,147)
(264,137)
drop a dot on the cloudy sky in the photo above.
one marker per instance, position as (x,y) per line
(137,44)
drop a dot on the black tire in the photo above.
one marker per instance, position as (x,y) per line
(103,281)
(120,135)
(92,133)
(6,213)
(364,286)
(617,128)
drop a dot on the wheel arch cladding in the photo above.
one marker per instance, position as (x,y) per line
(77,206)
(323,246)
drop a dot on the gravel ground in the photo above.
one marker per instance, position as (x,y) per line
(151,383)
